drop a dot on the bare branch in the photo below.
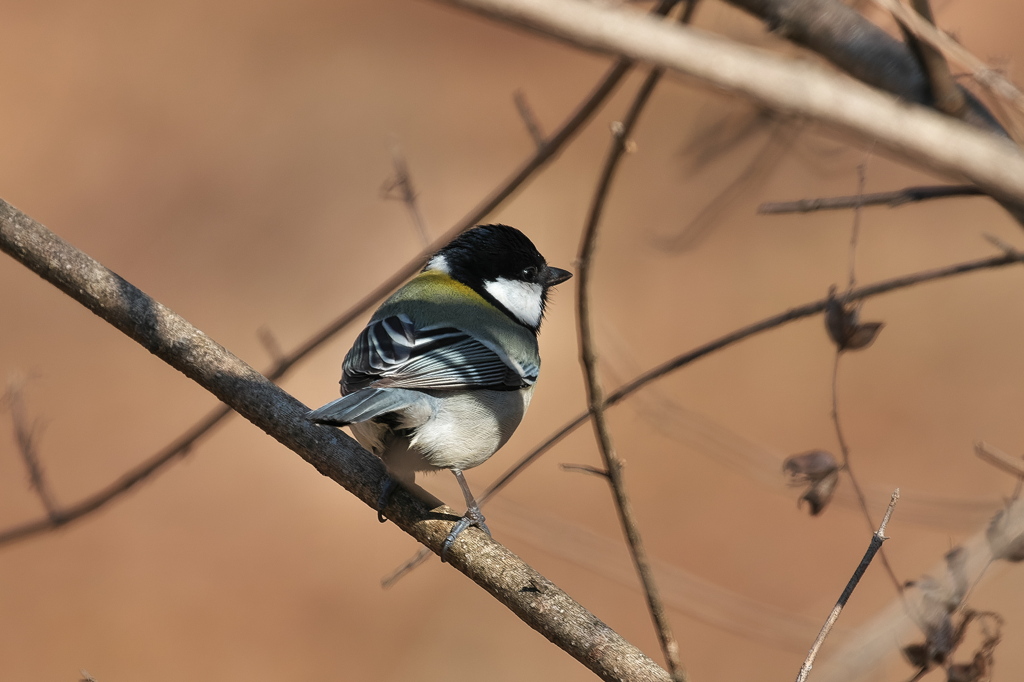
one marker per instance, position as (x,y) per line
(270,343)
(947,95)
(399,187)
(585,469)
(999,459)
(25,437)
(533,598)
(529,119)
(595,394)
(922,27)
(858,491)
(788,85)
(844,447)
(891,199)
(846,38)
(876,543)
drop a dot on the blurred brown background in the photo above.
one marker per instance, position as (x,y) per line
(227,158)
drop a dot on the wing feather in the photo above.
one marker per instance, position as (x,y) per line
(393,352)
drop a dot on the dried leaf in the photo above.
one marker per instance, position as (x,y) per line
(978,670)
(842,321)
(917,655)
(810,466)
(1006,533)
(838,318)
(863,335)
(819,471)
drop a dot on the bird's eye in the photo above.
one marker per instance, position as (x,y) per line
(530,273)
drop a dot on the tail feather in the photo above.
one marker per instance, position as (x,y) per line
(364,405)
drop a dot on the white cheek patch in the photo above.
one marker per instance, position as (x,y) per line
(523,299)
(439,263)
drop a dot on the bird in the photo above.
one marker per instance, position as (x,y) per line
(444,371)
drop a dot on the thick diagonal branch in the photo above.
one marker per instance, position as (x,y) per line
(791,86)
(532,597)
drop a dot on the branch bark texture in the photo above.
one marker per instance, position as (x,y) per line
(794,87)
(536,600)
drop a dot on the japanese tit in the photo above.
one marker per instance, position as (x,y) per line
(444,371)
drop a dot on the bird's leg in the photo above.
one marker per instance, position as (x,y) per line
(387,488)
(473,516)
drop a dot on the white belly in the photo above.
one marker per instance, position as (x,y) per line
(464,429)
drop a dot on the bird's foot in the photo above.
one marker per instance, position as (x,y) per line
(473,517)
(387,489)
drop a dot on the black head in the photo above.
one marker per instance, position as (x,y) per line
(502,265)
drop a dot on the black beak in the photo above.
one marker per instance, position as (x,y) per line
(554,276)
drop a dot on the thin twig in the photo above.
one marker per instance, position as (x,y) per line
(585,469)
(855,232)
(999,243)
(858,491)
(25,437)
(679,361)
(843,445)
(999,459)
(890,199)
(184,443)
(529,119)
(877,538)
(595,399)
(400,187)
(270,343)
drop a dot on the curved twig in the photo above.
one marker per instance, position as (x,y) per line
(595,399)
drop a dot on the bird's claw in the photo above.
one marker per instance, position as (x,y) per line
(473,517)
(387,488)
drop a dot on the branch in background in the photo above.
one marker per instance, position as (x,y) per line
(795,87)
(999,459)
(781,134)
(892,199)
(184,443)
(399,187)
(529,119)
(845,450)
(990,79)
(947,96)
(595,393)
(671,365)
(25,437)
(528,594)
(849,333)
(876,543)
(849,41)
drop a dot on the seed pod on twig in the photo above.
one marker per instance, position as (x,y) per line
(819,471)
(842,321)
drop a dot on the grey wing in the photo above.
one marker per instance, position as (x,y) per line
(393,352)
